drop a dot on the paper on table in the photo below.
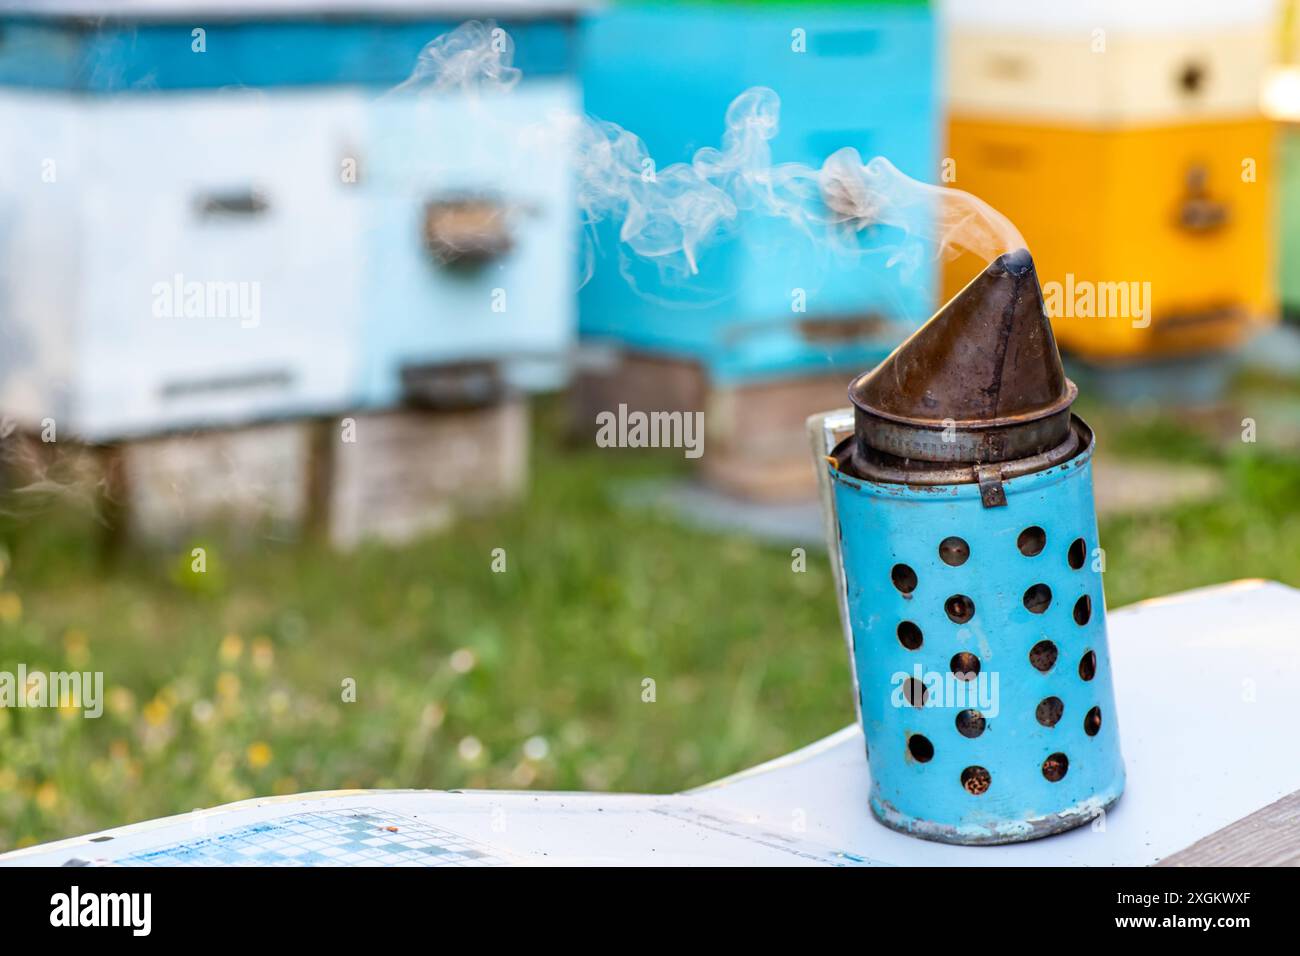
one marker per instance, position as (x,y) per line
(433,828)
(1204,682)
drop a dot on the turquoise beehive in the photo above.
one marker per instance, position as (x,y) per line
(859,75)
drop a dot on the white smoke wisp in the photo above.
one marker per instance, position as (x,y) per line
(476,56)
(949,221)
(669,216)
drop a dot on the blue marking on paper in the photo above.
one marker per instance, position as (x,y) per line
(361,836)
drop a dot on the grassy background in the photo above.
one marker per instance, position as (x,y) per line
(227,685)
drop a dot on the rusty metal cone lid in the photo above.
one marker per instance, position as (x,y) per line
(980,382)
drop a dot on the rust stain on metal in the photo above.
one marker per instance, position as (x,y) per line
(976,780)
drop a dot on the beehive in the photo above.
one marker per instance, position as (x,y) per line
(768,302)
(218,237)
(1129,147)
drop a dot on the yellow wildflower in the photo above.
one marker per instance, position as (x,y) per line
(47,795)
(156,711)
(75,646)
(263,654)
(232,645)
(228,686)
(121,702)
(259,755)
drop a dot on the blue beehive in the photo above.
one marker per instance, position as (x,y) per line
(968,539)
(157,148)
(860,76)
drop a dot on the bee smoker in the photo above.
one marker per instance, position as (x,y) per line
(972,593)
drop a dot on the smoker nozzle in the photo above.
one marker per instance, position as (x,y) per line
(980,383)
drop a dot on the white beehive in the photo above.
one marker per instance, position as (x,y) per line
(1101,62)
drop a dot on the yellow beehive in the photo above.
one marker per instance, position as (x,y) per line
(1138,166)
(1148,240)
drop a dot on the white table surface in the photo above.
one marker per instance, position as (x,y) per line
(1206,690)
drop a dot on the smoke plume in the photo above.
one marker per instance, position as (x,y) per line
(475,56)
(669,215)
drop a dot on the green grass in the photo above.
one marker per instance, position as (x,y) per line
(745,655)
(1251,529)
(228,684)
